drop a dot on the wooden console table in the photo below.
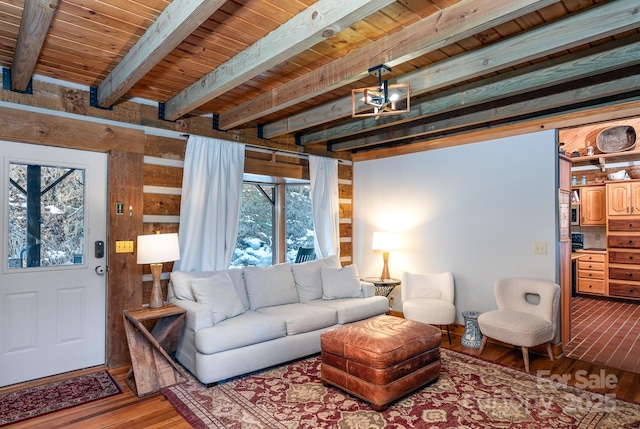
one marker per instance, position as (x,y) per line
(152,367)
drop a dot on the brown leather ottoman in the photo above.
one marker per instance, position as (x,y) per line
(380,359)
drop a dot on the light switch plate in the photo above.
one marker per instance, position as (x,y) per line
(540,248)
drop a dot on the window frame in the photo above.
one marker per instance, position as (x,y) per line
(279,247)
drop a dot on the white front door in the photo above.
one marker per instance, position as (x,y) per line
(52,280)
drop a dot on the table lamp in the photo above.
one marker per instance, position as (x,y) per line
(385,241)
(155,249)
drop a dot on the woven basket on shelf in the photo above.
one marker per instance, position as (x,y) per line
(616,139)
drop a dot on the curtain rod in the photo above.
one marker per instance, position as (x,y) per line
(281,152)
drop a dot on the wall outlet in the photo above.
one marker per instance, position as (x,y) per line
(540,248)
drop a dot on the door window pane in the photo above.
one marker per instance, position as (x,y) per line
(46,216)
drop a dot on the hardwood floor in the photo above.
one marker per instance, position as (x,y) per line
(154,412)
(125,410)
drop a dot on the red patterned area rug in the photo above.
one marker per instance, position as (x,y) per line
(38,400)
(470,393)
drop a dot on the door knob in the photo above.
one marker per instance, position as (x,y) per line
(100,270)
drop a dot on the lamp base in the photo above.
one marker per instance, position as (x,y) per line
(156,300)
(385,267)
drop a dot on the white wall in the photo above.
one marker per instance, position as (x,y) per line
(474,210)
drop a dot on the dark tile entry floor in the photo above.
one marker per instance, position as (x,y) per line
(605,332)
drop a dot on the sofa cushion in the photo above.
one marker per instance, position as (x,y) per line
(218,293)
(181,282)
(237,277)
(240,331)
(301,318)
(515,327)
(354,309)
(308,279)
(268,286)
(340,282)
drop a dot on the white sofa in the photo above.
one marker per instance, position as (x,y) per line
(242,320)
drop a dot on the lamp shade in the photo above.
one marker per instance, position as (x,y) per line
(158,248)
(384,241)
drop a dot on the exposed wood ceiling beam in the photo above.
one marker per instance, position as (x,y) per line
(594,24)
(565,119)
(36,18)
(316,23)
(535,106)
(179,19)
(602,58)
(450,25)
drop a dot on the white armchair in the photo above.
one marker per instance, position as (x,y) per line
(527,315)
(428,298)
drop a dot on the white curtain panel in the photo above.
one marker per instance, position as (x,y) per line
(210,204)
(324,203)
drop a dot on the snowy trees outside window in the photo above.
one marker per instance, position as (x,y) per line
(258,235)
(46,216)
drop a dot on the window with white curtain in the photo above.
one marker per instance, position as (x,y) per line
(269,223)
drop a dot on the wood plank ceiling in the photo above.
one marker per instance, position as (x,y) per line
(288,66)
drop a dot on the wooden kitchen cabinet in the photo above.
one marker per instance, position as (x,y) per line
(591,273)
(592,205)
(623,198)
(623,245)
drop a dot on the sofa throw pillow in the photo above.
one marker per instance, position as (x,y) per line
(307,277)
(218,293)
(237,277)
(340,282)
(269,286)
(181,282)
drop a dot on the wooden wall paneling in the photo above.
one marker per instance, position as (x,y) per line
(76,101)
(202,126)
(165,147)
(345,195)
(346,249)
(345,191)
(153,227)
(159,201)
(346,230)
(124,289)
(40,128)
(161,204)
(161,175)
(269,168)
(72,100)
(345,171)
(346,210)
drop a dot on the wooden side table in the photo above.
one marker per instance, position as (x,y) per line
(152,367)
